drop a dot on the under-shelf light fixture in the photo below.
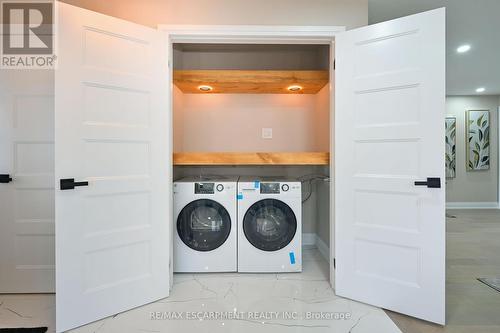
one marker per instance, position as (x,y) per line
(205,88)
(294,88)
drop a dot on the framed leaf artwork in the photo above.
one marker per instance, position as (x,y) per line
(451,146)
(478,140)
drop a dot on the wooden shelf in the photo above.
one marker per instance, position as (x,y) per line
(250,82)
(257,158)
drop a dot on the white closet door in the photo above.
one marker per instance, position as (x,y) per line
(27,202)
(389,133)
(112,131)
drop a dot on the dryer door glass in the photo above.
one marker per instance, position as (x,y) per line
(204,225)
(269,224)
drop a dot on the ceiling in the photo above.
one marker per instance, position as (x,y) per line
(474,22)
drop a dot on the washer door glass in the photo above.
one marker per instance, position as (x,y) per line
(269,224)
(204,225)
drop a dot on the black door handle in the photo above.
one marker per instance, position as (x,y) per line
(430,183)
(5,179)
(70,184)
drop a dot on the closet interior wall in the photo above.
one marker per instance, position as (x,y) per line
(215,122)
(234,122)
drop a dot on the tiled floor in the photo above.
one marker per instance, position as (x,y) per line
(27,310)
(473,251)
(253,296)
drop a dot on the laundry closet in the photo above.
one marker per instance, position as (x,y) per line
(261,111)
(136,108)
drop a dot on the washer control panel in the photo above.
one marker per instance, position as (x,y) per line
(204,188)
(285,187)
(270,188)
(220,187)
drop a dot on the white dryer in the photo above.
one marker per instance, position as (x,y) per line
(205,229)
(269,225)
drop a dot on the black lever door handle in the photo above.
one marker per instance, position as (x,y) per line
(430,183)
(70,184)
(5,179)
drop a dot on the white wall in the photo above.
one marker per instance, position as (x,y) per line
(323,200)
(323,209)
(322,119)
(473,186)
(234,122)
(349,13)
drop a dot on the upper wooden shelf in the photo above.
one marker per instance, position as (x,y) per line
(250,81)
(257,158)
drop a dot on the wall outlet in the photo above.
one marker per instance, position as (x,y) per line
(267,133)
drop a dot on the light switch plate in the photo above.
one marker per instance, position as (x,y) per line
(267,133)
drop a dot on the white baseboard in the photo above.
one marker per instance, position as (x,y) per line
(472,205)
(323,248)
(309,239)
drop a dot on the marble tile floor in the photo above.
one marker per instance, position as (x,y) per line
(262,302)
(472,251)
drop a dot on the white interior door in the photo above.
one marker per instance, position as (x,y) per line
(390,111)
(112,131)
(27,202)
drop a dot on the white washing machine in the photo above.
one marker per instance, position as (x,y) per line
(269,225)
(205,231)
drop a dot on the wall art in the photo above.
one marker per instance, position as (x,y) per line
(478,140)
(451,146)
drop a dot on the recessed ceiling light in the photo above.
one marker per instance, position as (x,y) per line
(205,88)
(463,48)
(294,88)
(480,90)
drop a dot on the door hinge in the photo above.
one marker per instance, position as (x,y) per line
(334,263)
(334,64)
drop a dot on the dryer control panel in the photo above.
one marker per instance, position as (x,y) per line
(204,188)
(270,188)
